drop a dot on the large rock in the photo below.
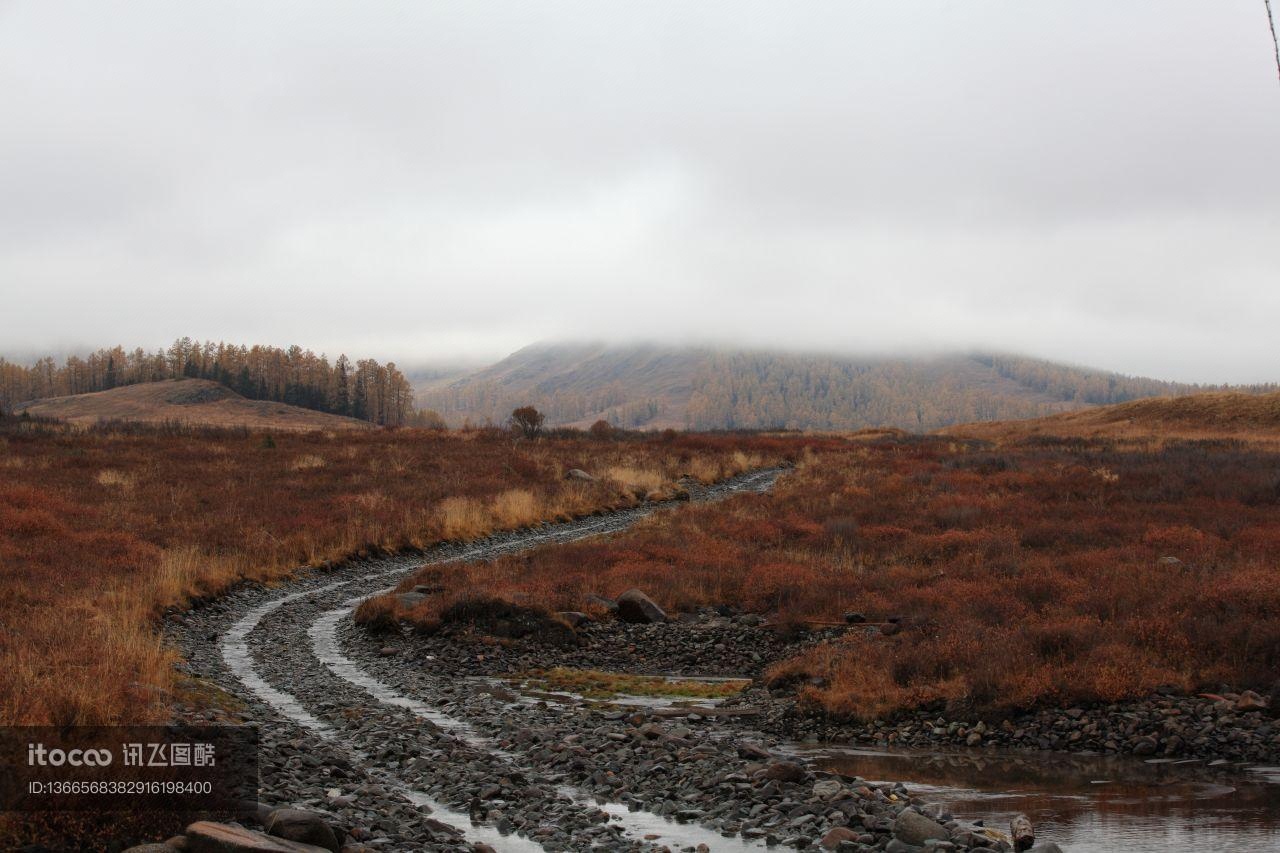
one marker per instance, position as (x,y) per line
(911,827)
(208,837)
(636,607)
(1250,701)
(579,474)
(837,836)
(304,826)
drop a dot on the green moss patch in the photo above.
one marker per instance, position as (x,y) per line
(596,684)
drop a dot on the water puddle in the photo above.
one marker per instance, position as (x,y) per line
(533,689)
(324,644)
(235,652)
(635,824)
(1087,804)
(661,830)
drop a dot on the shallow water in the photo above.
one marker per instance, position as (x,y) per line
(1087,804)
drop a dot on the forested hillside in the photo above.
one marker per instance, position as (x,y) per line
(366,390)
(658,387)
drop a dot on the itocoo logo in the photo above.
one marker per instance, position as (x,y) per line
(39,756)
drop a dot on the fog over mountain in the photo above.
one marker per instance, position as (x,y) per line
(649,386)
(432,181)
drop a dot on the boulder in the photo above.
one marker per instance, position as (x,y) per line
(1250,701)
(913,828)
(853,618)
(299,825)
(827,789)
(205,836)
(636,607)
(837,836)
(579,474)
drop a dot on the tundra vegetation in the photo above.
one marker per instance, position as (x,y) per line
(1039,571)
(103,529)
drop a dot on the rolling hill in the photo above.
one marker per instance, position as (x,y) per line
(190,401)
(1208,415)
(655,387)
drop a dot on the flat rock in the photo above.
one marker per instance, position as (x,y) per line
(837,836)
(299,825)
(208,837)
(913,828)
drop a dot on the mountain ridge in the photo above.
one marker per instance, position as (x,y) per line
(652,386)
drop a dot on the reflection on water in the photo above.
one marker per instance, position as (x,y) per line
(1088,804)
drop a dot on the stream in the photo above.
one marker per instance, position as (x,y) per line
(1087,804)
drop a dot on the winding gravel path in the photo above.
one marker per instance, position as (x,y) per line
(418,750)
(414,763)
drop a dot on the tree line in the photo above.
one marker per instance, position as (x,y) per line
(365,389)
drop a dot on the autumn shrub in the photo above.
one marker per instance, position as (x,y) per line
(1049,571)
(102,529)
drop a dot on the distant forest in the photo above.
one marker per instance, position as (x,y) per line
(366,389)
(757,391)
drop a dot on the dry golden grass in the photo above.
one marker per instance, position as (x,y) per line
(646,479)
(1254,418)
(103,529)
(113,477)
(463,518)
(306,462)
(517,508)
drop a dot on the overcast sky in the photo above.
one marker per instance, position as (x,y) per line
(1093,181)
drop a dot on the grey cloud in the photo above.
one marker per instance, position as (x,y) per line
(1091,181)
